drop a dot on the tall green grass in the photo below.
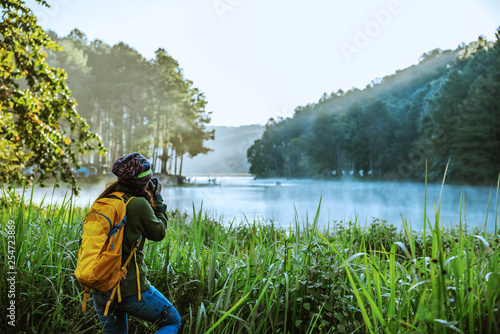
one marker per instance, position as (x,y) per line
(255,277)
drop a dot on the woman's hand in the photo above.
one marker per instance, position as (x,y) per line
(155,186)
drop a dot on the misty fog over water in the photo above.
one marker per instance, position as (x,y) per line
(243,198)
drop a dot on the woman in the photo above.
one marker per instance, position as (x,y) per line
(146,216)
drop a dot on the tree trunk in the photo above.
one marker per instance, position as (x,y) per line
(156,135)
(129,131)
(180,168)
(175,164)
(164,158)
(170,163)
(371,161)
(121,130)
(337,158)
(107,138)
(97,158)
(494,129)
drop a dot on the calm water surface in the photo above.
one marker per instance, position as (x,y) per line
(243,198)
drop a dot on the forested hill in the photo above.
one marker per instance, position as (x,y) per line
(446,108)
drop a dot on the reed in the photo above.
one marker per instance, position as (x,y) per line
(255,277)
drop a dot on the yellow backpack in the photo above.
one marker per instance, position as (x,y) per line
(99,263)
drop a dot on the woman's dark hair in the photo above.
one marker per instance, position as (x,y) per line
(134,191)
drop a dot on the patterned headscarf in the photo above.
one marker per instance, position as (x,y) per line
(133,169)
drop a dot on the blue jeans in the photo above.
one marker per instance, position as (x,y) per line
(153,307)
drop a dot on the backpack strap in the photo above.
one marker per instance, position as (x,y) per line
(130,198)
(138,278)
(84,302)
(116,289)
(134,251)
(121,196)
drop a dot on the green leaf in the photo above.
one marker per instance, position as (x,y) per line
(423,314)
(494,285)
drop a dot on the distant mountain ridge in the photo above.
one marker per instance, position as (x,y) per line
(229,155)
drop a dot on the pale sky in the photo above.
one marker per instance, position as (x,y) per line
(256,59)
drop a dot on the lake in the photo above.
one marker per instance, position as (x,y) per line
(243,198)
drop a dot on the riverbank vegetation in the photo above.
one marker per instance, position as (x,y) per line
(445,107)
(256,277)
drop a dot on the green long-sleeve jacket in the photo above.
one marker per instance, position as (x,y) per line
(141,220)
